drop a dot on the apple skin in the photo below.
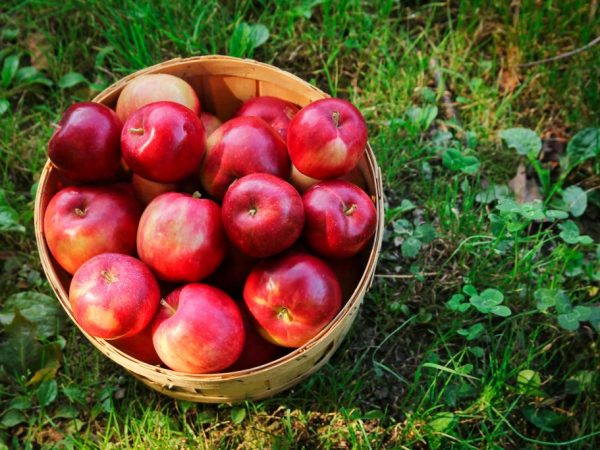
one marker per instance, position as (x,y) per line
(292,297)
(210,122)
(181,238)
(198,329)
(86,145)
(327,138)
(257,351)
(340,219)
(262,214)
(239,147)
(348,271)
(81,222)
(276,112)
(153,88)
(163,142)
(139,346)
(233,271)
(301,182)
(113,296)
(146,190)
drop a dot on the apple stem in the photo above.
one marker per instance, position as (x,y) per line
(196,194)
(164,303)
(80,212)
(350,210)
(138,131)
(55,125)
(336,118)
(108,276)
(253,211)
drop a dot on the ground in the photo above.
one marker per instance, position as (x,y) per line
(481,329)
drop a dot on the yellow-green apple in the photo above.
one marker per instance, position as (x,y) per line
(85,146)
(257,350)
(275,111)
(340,218)
(181,237)
(139,346)
(239,147)
(147,190)
(113,296)
(262,214)
(163,142)
(210,122)
(198,329)
(292,297)
(327,138)
(83,221)
(153,88)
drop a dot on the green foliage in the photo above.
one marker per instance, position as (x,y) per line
(246,38)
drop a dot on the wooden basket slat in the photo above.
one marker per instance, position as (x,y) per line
(223,83)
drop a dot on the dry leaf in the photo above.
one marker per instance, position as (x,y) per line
(509,73)
(38,48)
(525,189)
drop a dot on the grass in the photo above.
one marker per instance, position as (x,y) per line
(407,376)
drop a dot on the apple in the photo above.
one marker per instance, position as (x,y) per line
(181,237)
(301,182)
(262,214)
(163,142)
(113,296)
(257,350)
(210,122)
(292,297)
(147,190)
(275,111)
(327,138)
(348,271)
(85,144)
(139,346)
(233,271)
(340,218)
(153,88)
(198,329)
(239,147)
(81,222)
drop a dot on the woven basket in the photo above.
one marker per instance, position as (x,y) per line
(222,84)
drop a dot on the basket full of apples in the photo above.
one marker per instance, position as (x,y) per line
(211,224)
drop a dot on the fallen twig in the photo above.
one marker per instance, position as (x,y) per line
(424,274)
(563,55)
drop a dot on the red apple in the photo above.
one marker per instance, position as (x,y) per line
(233,271)
(262,214)
(85,145)
(340,218)
(276,112)
(147,190)
(210,122)
(82,222)
(348,271)
(181,237)
(327,138)
(292,297)
(139,346)
(301,182)
(153,88)
(163,142)
(198,329)
(239,147)
(257,351)
(113,296)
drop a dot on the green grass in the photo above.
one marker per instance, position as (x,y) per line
(405,377)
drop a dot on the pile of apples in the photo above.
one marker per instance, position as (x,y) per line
(201,245)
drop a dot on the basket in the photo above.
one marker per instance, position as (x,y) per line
(222,84)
